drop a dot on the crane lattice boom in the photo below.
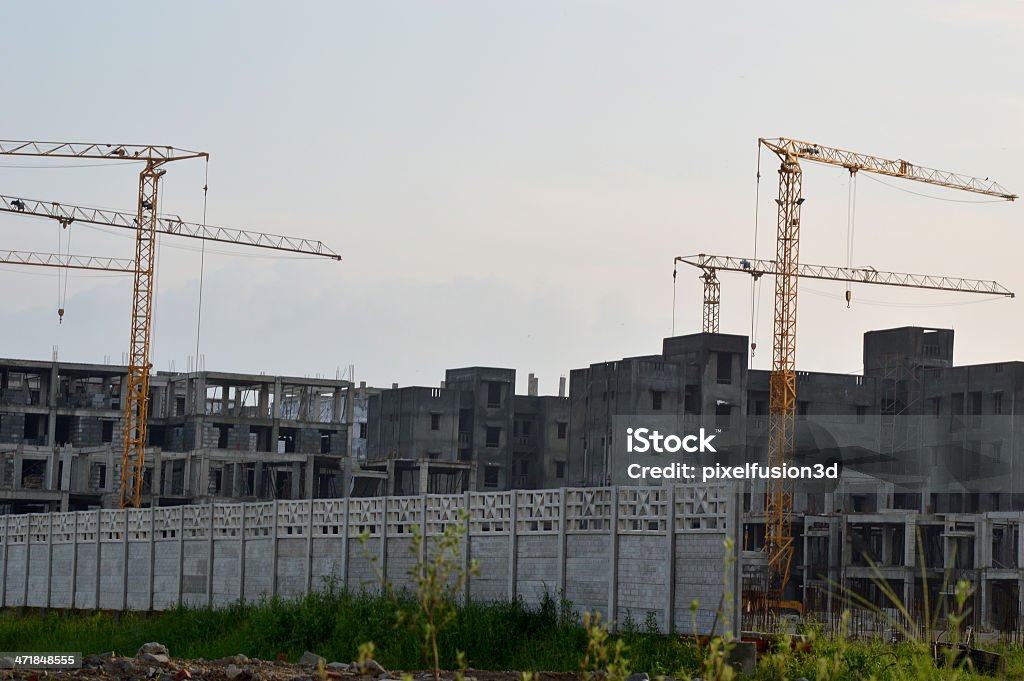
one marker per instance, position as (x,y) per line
(128,152)
(854,162)
(857,275)
(67,214)
(74,262)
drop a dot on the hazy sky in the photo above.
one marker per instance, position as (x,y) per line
(509,181)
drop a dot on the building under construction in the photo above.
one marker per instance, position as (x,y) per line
(210,435)
(932,490)
(939,499)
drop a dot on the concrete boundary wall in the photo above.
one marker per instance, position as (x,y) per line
(616,550)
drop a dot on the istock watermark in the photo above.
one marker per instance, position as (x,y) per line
(645,440)
(717,472)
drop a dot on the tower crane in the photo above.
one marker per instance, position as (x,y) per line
(710,265)
(782,381)
(146,222)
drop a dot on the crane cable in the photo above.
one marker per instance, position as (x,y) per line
(675,271)
(202,261)
(62,287)
(755,299)
(851,220)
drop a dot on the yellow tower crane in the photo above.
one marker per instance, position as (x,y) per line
(146,223)
(782,381)
(711,265)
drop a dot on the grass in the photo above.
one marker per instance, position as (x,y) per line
(497,636)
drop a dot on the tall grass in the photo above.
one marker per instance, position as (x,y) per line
(497,636)
(333,622)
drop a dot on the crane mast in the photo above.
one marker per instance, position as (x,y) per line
(146,225)
(782,381)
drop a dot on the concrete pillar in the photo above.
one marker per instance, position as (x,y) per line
(983,543)
(257,479)
(186,476)
(18,458)
(296,490)
(225,401)
(424,477)
(910,544)
(613,559)
(156,488)
(310,476)
(264,404)
(275,428)
(52,471)
(337,407)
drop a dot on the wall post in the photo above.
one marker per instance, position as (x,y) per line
(613,559)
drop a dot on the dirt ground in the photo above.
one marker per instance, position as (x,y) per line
(160,667)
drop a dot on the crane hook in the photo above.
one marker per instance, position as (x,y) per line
(60,315)
(849,296)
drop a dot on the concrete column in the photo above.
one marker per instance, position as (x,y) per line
(670,560)
(225,401)
(152,554)
(158,477)
(383,557)
(7,542)
(124,560)
(424,477)
(199,407)
(28,559)
(345,541)
(310,476)
(257,479)
(562,529)
(264,401)
(513,549)
(337,405)
(65,477)
(52,468)
(186,476)
(467,551)
(296,491)
(273,551)
(241,557)
(74,563)
(51,402)
(210,558)
(309,547)
(613,559)
(275,415)
(18,457)
(910,544)
(181,555)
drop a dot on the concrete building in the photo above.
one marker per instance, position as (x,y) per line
(933,486)
(471,433)
(211,435)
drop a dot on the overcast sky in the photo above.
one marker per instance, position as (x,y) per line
(509,181)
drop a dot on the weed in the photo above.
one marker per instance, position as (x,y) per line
(605,657)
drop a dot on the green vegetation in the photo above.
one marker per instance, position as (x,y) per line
(499,636)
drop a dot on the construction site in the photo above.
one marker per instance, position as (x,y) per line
(83,437)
